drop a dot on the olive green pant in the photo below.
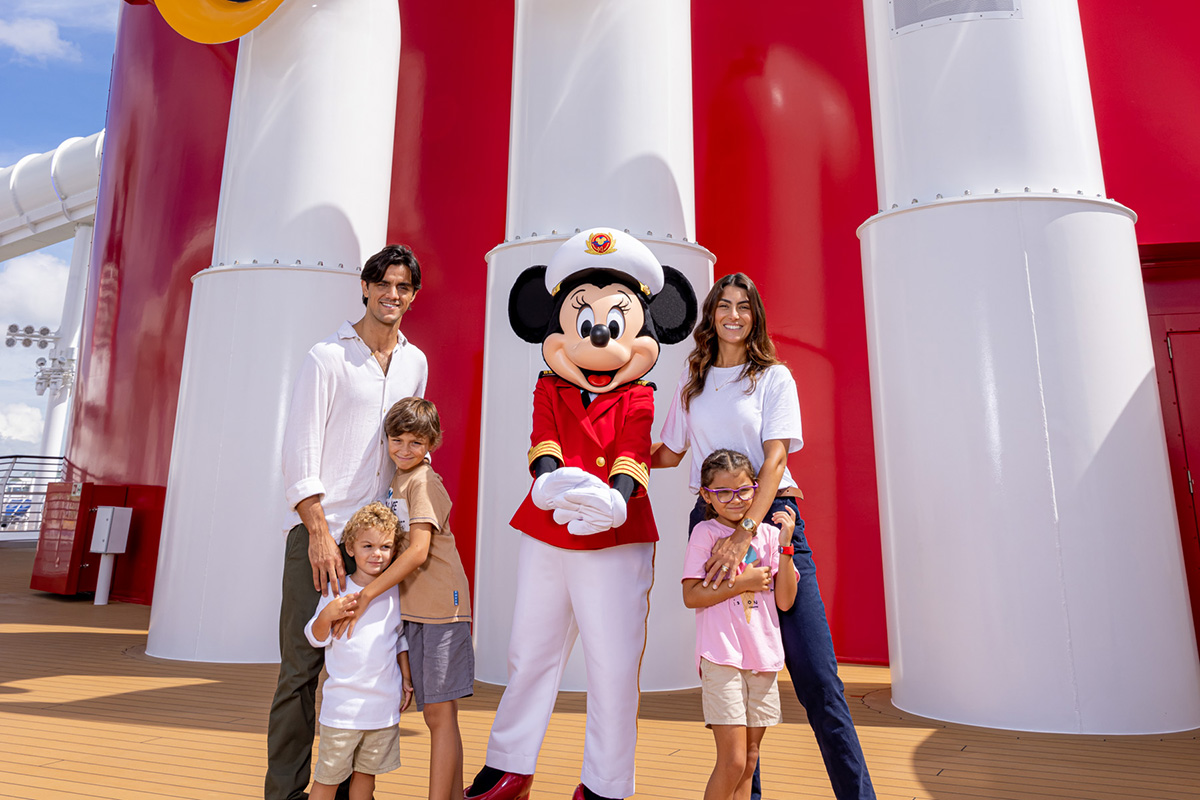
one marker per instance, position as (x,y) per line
(291,726)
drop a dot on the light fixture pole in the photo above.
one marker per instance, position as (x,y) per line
(55,372)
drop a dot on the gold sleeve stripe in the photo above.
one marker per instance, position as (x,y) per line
(545,448)
(627,466)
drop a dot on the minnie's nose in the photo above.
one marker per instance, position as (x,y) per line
(600,335)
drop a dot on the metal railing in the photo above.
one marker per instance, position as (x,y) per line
(23,482)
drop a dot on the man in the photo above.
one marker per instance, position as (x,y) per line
(335,461)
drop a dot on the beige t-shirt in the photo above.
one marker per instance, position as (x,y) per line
(436,591)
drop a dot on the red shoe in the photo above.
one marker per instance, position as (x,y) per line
(510,787)
(578,793)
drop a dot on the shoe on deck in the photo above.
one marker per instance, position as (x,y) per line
(510,787)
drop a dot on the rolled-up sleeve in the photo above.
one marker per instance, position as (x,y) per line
(304,434)
(308,628)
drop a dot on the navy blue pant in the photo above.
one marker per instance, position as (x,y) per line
(808,651)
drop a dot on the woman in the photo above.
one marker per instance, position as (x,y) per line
(736,394)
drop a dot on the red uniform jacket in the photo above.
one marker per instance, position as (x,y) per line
(609,437)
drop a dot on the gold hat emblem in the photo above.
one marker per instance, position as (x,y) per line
(600,244)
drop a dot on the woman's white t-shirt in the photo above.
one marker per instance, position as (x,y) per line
(724,415)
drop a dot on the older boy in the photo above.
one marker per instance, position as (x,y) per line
(433,590)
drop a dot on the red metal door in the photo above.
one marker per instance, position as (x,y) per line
(1171,276)
(53,570)
(1183,354)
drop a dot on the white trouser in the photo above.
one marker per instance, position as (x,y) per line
(603,596)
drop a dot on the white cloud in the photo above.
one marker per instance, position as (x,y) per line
(32,288)
(37,39)
(89,14)
(21,423)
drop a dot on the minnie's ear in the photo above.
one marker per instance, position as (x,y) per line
(530,305)
(674,308)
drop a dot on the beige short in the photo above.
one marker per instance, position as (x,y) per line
(733,696)
(341,752)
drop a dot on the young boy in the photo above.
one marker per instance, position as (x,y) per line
(435,599)
(369,683)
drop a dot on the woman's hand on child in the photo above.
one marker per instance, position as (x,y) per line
(753,579)
(786,520)
(723,563)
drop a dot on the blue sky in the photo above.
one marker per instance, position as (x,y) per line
(55,60)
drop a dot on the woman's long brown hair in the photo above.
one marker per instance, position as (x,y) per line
(760,350)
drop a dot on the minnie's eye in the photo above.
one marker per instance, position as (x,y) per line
(585,321)
(616,322)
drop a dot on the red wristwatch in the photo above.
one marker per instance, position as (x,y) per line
(787,551)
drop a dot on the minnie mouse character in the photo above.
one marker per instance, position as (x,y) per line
(600,309)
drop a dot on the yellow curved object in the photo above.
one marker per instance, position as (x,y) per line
(215,21)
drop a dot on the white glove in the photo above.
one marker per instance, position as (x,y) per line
(589,510)
(581,522)
(549,489)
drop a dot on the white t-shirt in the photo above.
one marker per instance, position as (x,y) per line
(723,415)
(333,442)
(364,688)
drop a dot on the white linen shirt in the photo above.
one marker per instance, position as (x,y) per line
(333,442)
(723,415)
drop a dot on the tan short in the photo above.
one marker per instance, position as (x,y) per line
(341,752)
(733,696)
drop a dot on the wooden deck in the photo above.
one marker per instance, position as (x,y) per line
(84,713)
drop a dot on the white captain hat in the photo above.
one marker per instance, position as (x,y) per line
(605,248)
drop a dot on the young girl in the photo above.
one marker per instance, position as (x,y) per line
(738,647)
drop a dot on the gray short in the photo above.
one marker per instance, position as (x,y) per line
(442,660)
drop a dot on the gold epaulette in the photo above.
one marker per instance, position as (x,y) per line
(646,383)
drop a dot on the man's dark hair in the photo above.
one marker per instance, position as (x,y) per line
(377,265)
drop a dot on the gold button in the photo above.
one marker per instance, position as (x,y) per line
(600,461)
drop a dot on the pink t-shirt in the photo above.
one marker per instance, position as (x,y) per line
(742,631)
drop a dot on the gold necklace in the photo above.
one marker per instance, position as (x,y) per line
(729,380)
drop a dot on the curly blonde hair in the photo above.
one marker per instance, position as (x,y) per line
(376,516)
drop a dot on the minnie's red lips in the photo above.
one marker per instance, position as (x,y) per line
(599,379)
